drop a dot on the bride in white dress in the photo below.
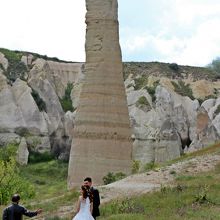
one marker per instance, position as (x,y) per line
(84,206)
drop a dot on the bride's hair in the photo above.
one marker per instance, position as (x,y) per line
(87,193)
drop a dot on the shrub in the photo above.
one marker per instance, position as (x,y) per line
(10,180)
(149,166)
(66,101)
(36,157)
(39,101)
(174,67)
(136,166)
(183,89)
(7,152)
(16,68)
(217,111)
(140,82)
(111,177)
(142,101)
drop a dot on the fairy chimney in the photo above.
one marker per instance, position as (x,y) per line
(102,133)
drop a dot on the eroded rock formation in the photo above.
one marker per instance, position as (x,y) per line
(102,134)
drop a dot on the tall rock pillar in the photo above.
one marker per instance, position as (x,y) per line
(102,133)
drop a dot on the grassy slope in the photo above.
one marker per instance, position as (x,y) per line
(49,179)
(192,197)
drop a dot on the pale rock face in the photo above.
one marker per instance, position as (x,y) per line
(38,143)
(34,120)
(27,60)
(22,153)
(9,138)
(3,61)
(10,114)
(206,133)
(64,73)
(69,118)
(46,91)
(202,88)
(102,134)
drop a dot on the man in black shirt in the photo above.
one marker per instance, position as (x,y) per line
(15,211)
(96,198)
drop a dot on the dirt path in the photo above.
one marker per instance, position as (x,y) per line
(149,181)
(152,180)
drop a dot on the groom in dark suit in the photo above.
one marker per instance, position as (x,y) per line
(96,198)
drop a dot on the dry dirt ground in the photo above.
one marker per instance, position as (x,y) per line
(148,181)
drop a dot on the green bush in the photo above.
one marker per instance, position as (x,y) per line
(136,166)
(217,111)
(16,68)
(142,101)
(10,180)
(215,65)
(112,177)
(39,101)
(36,157)
(7,152)
(140,82)
(66,101)
(183,89)
(174,67)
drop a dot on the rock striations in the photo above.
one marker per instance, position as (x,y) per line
(102,133)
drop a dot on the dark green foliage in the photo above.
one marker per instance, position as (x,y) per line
(16,68)
(10,180)
(174,67)
(36,157)
(217,111)
(8,151)
(140,82)
(215,65)
(183,89)
(135,166)
(152,89)
(142,101)
(66,101)
(112,177)
(39,101)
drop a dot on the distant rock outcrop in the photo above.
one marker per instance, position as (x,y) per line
(173,109)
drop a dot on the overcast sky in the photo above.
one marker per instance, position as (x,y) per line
(182,31)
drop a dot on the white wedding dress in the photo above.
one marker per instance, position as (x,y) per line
(84,212)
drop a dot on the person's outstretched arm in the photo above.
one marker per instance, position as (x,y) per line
(29,213)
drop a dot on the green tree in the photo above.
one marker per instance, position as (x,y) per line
(215,65)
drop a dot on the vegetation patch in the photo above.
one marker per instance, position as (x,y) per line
(113,177)
(142,102)
(10,179)
(217,111)
(16,68)
(66,101)
(140,82)
(183,89)
(39,101)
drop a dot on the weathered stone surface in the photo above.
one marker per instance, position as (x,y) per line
(44,88)
(3,61)
(27,60)
(9,138)
(33,118)
(102,135)
(38,143)
(22,153)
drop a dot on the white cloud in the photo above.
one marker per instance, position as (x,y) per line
(187,34)
(52,27)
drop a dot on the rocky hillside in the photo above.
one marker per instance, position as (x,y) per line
(172,108)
